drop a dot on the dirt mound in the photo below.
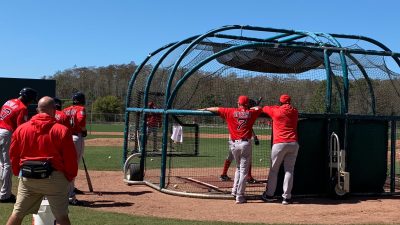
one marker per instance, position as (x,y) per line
(111,194)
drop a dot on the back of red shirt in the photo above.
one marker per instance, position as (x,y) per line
(62,118)
(154,120)
(240,121)
(43,139)
(13,113)
(284,122)
(77,117)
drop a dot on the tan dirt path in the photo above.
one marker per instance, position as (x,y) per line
(143,200)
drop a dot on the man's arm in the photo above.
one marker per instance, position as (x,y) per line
(211,109)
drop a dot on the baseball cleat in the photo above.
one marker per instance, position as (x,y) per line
(224,178)
(267,198)
(11,199)
(286,201)
(251,180)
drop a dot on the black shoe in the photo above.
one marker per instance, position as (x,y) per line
(286,201)
(79,192)
(76,202)
(267,198)
(11,199)
(251,180)
(224,178)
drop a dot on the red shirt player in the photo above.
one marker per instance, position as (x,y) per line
(13,113)
(285,147)
(77,117)
(240,124)
(153,123)
(60,116)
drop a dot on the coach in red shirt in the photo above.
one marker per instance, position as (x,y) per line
(284,148)
(240,122)
(43,139)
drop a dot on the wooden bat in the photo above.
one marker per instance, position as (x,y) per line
(89,181)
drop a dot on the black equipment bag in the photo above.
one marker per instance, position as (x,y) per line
(36,169)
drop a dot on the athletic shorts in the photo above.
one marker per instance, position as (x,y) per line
(32,191)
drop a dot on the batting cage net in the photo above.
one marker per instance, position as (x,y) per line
(352,91)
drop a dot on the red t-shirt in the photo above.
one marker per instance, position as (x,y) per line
(154,120)
(62,118)
(77,117)
(13,113)
(240,121)
(43,139)
(284,121)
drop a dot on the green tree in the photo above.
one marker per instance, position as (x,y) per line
(108,104)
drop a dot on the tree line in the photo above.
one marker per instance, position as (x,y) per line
(106,88)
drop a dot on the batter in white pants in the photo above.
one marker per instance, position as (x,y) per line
(241,151)
(5,164)
(286,153)
(79,146)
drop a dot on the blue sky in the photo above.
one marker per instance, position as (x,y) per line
(39,38)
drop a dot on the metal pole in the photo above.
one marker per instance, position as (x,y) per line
(392,155)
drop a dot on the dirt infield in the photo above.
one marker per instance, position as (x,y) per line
(111,194)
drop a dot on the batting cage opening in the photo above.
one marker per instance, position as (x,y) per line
(346,88)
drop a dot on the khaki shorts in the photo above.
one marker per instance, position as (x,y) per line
(32,191)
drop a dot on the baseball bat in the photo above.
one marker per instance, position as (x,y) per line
(89,181)
(256,141)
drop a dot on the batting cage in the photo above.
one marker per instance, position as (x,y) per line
(346,88)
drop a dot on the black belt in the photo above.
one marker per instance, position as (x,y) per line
(244,139)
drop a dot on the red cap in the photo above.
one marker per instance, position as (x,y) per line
(284,99)
(243,100)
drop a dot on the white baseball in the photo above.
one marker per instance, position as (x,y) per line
(151,159)
(260,160)
(109,156)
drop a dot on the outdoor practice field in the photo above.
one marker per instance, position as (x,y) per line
(114,202)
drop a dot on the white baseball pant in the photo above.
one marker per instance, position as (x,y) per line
(241,151)
(5,164)
(286,153)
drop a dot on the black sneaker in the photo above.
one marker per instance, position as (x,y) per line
(251,180)
(11,199)
(267,198)
(75,202)
(224,178)
(286,201)
(79,192)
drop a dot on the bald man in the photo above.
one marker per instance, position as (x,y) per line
(42,141)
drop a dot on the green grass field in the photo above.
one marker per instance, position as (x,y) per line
(86,216)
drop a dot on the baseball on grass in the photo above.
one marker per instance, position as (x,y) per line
(151,159)
(260,160)
(109,156)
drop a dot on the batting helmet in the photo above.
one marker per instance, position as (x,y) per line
(78,98)
(28,95)
(58,103)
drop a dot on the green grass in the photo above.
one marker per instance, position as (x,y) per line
(106,127)
(103,158)
(82,215)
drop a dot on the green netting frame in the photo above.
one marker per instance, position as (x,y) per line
(344,68)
